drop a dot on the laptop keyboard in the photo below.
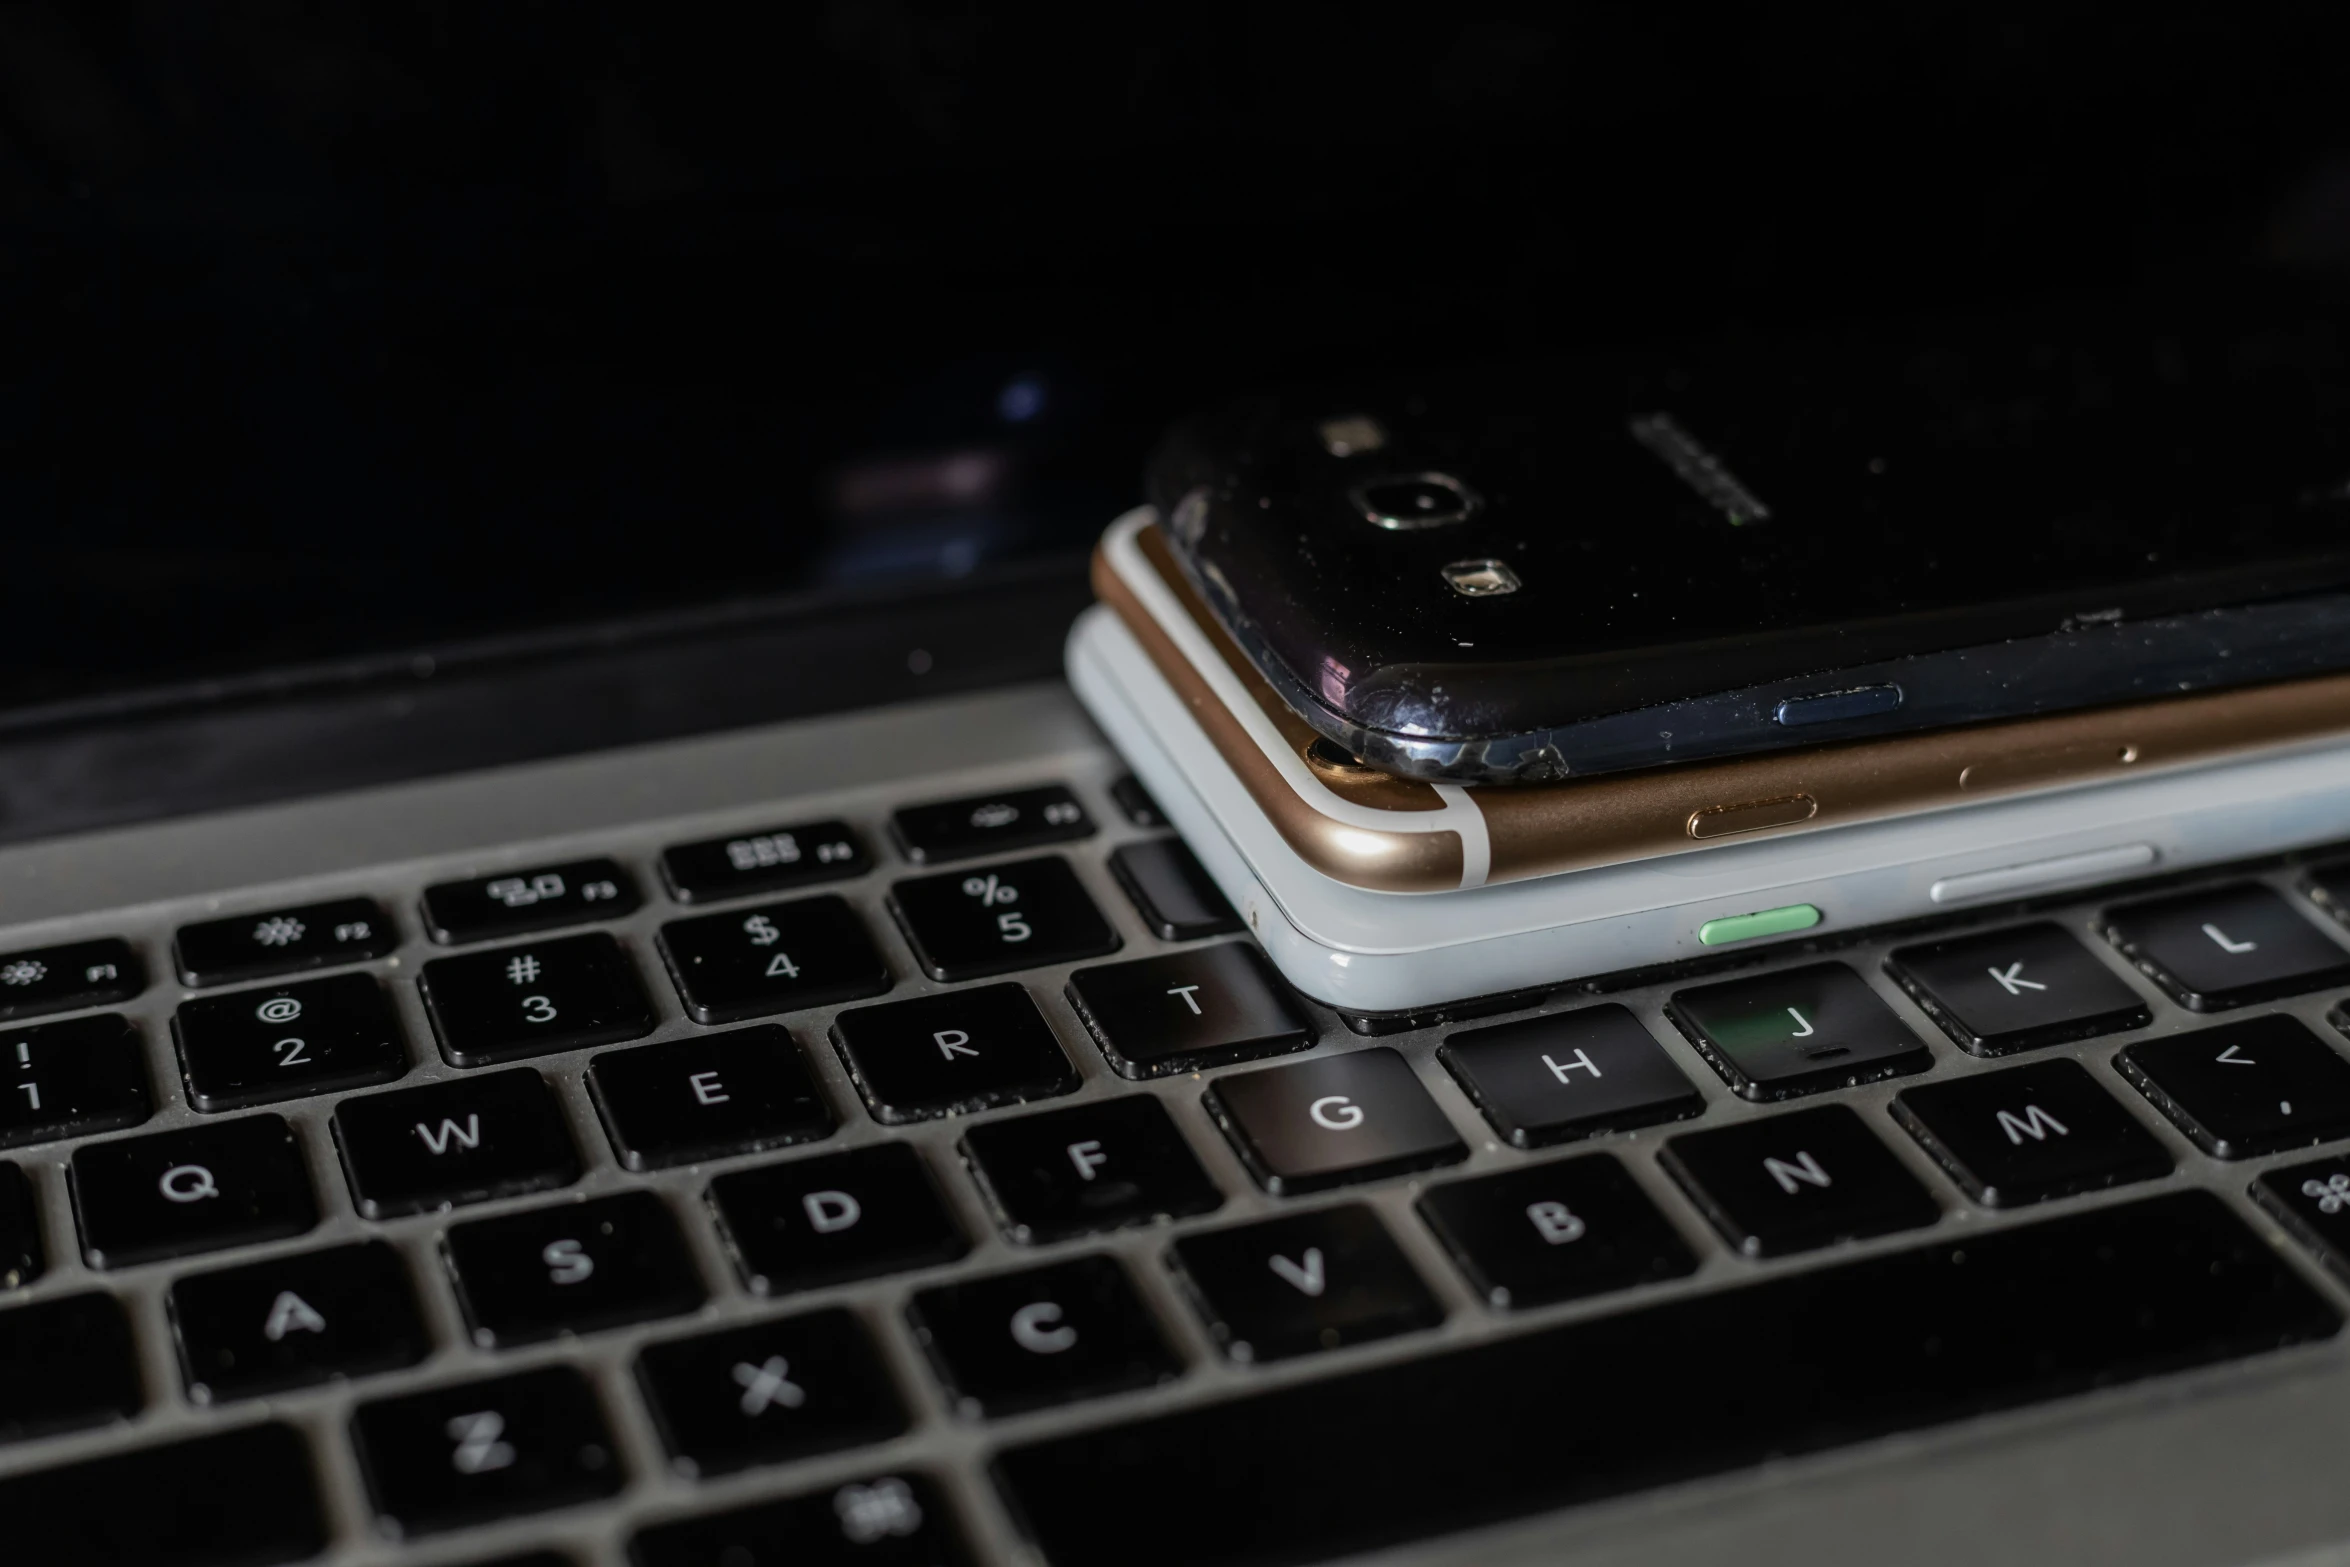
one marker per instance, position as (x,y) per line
(928,1187)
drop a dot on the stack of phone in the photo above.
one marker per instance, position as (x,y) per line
(1477,685)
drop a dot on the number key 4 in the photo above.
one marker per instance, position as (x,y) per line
(753,962)
(971,924)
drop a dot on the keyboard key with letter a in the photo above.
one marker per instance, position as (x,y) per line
(292,1321)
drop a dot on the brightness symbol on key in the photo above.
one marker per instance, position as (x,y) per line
(523,970)
(988,890)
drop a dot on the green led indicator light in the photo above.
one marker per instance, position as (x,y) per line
(1764,922)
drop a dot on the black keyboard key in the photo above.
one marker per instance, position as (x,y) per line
(1094,1167)
(1172,893)
(989,824)
(65,1362)
(1548,1079)
(2313,1201)
(769,860)
(347,1311)
(70,1079)
(770,1392)
(1796,1364)
(2245,1088)
(2029,1134)
(1187,1010)
(888,1521)
(777,958)
(79,974)
(1795,1182)
(572,1269)
(1309,1282)
(245,1498)
(1315,1124)
(283,941)
(1136,802)
(228,1184)
(537,899)
(706,1097)
(2016,989)
(1797,1031)
(1018,1341)
(1553,1232)
(948,1054)
(444,1144)
(855,1215)
(1022,915)
(482,1450)
(22,1256)
(258,1046)
(497,1006)
(2227,946)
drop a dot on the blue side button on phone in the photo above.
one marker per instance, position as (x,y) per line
(1831,707)
(1763,922)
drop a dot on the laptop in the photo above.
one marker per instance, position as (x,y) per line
(542,549)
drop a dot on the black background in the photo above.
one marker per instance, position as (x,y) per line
(353,329)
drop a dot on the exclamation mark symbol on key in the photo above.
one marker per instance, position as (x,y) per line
(24,1063)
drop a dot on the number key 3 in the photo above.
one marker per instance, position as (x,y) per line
(529,1000)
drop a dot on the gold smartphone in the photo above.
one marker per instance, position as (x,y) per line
(1371,830)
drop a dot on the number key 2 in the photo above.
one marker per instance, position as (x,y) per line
(772,959)
(529,1000)
(1022,915)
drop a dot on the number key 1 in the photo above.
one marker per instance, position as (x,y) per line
(529,1000)
(969,924)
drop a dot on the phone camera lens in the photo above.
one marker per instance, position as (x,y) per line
(1414,500)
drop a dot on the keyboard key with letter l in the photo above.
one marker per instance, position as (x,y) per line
(475,1451)
(66,1362)
(952,1053)
(1553,1232)
(293,1321)
(1018,1341)
(1892,1343)
(989,824)
(444,1144)
(2016,989)
(1790,1183)
(497,1006)
(141,1199)
(1345,1118)
(1183,1011)
(1022,915)
(2030,1133)
(538,899)
(847,1216)
(707,1097)
(1573,1074)
(1797,1031)
(100,973)
(88,1074)
(888,1521)
(283,941)
(769,860)
(769,1393)
(1095,1167)
(2227,946)
(257,1046)
(1307,1282)
(2245,1088)
(572,1269)
(248,1496)
(778,958)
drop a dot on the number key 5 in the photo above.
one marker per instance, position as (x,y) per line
(966,925)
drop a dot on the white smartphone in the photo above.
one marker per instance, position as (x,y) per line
(1382,956)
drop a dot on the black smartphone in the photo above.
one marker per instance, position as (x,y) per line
(1527,572)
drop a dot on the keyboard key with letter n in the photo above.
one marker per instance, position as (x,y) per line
(1897,1342)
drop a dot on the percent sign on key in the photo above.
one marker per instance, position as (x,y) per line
(988,890)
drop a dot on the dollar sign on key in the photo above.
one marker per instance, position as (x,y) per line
(761,930)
